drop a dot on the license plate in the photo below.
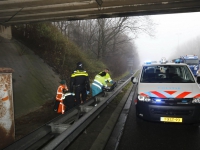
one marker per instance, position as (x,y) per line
(169,119)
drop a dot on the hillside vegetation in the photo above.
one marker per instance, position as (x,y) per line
(42,54)
(56,50)
(98,44)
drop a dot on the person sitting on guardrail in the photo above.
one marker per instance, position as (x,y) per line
(59,105)
(98,83)
(69,100)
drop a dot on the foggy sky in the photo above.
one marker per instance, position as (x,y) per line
(172,31)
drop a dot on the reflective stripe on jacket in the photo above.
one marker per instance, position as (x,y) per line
(99,81)
(79,78)
(79,73)
(60,92)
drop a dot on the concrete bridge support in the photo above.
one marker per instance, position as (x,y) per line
(6,32)
(7,131)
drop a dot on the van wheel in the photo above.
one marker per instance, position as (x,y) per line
(139,119)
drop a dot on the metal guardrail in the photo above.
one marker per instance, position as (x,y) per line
(62,130)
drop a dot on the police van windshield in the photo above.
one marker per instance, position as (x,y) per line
(192,61)
(166,74)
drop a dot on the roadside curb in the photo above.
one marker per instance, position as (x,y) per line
(103,137)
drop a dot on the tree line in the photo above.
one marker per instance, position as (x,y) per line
(109,40)
(98,43)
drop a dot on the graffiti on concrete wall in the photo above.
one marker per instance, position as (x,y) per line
(6,110)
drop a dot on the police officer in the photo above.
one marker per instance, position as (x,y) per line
(79,82)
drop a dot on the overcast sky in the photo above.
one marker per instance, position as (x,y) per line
(172,30)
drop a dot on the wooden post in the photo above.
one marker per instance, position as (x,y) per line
(7,128)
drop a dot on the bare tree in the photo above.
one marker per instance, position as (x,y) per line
(111,29)
(108,39)
(98,35)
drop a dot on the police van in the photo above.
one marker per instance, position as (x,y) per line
(167,92)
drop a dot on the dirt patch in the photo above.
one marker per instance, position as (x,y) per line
(30,122)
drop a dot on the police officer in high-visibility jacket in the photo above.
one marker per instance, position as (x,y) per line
(79,82)
(59,105)
(98,83)
(107,76)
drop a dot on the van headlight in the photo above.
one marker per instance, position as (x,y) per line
(143,98)
(196,100)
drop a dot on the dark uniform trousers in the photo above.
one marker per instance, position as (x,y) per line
(80,94)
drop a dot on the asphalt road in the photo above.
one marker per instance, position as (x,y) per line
(145,135)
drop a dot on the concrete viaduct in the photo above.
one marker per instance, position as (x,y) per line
(14,12)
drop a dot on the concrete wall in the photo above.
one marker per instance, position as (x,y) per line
(5,32)
(34,82)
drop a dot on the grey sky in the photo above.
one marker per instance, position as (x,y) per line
(172,30)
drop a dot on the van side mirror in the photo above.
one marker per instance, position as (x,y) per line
(198,79)
(134,80)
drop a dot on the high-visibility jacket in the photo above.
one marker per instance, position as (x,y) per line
(79,78)
(98,84)
(99,81)
(107,77)
(60,92)
(59,97)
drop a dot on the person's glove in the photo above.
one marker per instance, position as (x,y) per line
(88,92)
(112,82)
(64,91)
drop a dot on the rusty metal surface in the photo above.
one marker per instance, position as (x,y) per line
(6,70)
(30,11)
(7,131)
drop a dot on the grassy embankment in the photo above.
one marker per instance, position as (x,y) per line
(57,50)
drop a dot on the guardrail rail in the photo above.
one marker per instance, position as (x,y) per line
(62,130)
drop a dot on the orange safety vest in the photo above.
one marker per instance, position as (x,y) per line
(61,107)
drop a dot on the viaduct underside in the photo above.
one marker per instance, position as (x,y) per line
(29,11)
